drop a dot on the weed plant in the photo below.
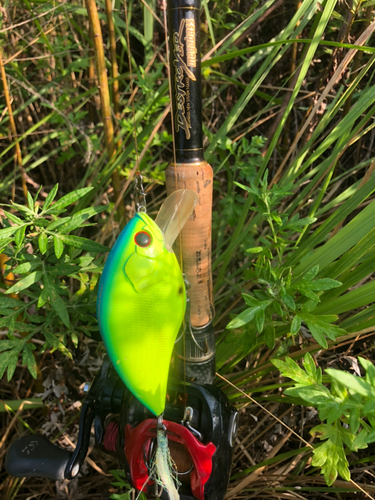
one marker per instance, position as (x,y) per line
(288,118)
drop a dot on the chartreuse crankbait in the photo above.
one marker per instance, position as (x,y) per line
(141,300)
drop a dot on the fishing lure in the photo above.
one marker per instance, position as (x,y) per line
(141,300)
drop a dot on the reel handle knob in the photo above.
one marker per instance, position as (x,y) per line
(36,456)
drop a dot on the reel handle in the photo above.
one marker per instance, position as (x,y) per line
(36,456)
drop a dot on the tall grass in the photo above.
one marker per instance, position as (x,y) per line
(288,117)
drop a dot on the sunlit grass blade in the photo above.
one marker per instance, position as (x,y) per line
(322,232)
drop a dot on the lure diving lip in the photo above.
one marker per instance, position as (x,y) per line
(141,300)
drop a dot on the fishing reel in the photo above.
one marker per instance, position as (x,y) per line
(200,424)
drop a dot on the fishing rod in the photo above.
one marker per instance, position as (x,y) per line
(195,426)
(189,170)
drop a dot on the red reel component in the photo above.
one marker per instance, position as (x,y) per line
(138,438)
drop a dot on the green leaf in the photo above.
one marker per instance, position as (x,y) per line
(330,455)
(276,305)
(29,360)
(247,315)
(337,389)
(324,284)
(23,209)
(79,218)
(11,324)
(360,441)
(20,235)
(66,200)
(354,384)
(255,250)
(311,273)
(30,201)
(296,224)
(3,362)
(63,269)
(58,246)
(334,413)
(354,419)
(59,305)
(57,223)
(250,300)
(52,339)
(320,327)
(74,339)
(26,267)
(8,344)
(310,367)
(269,334)
(12,362)
(289,368)
(277,219)
(259,320)
(8,231)
(43,297)
(25,282)
(43,242)
(314,395)
(370,370)
(56,301)
(13,218)
(296,324)
(307,292)
(83,243)
(310,305)
(371,437)
(50,197)
(9,302)
(288,301)
(4,243)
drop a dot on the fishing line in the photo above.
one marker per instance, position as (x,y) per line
(131,87)
(134,134)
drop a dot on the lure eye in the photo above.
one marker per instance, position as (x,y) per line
(143,239)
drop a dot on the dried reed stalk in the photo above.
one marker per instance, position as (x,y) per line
(13,130)
(112,42)
(101,71)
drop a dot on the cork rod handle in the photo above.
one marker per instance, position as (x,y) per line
(196,237)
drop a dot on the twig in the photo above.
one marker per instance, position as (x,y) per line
(10,426)
(252,477)
(32,18)
(88,459)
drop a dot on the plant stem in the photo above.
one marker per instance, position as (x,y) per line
(13,129)
(112,41)
(15,405)
(101,71)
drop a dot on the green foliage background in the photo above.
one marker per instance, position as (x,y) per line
(288,119)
